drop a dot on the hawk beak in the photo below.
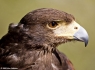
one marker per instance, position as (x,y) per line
(82,35)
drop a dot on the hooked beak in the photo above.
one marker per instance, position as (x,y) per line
(81,35)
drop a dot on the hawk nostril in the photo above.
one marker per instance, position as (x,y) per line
(75,27)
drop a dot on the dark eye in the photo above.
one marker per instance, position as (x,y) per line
(53,24)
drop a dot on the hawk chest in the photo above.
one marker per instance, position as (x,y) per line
(36,60)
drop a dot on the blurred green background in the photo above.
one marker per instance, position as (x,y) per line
(83,58)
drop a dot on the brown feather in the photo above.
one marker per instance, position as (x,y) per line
(30,45)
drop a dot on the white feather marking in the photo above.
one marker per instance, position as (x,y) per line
(14,57)
(54,67)
(39,59)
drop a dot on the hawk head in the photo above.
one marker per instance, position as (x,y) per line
(52,27)
(31,44)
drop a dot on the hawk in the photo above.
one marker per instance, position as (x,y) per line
(31,44)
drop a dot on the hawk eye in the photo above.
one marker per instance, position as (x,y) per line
(53,24)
